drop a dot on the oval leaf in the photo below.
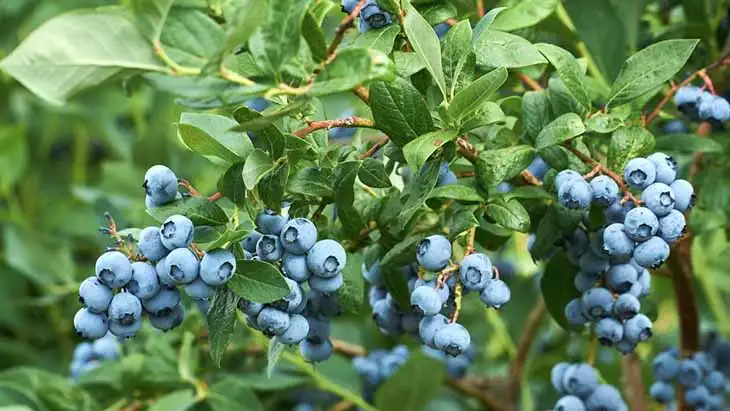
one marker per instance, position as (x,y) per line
(568,70)
(257,165)
(562,129)
(258,281)
(524,14)
(400,111)
(372,172)
(499,49)
(496,166)
(419,150)
(509,214)
(627,143)
(426,43)
(470,99)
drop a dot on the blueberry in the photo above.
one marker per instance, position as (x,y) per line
(323,303)
(575,194)
(376,294)
(90,325)
(644,282)
(556,376)
(616,212)
(326,285)
(295,267)
(597,302)
(569,403)
(163,276)
(313,352)
(217,266)
(84,351)
(672,226)
(446,176)
(268,222)
(297,330)
(125,309)
(616,243)
(426,300)
(605,191)
(409,322)
(374,16)
(199,289)
(456,367)
(113,269)
(373,275)
(565,176)
(575,245)
(168,320)
(475,271)
(704,105)
(687,95)
(319,329)
(125,331)
(249,242)
(272,321)
(626,306)
(720,109)
(349,5)
(609,331)
(443,292)
(665,366)
(150,244)
(658,198)
(605,397)
(452,339)
(705,361)
(260,104)
(621,277)
(690,373)
(298,236)
(538,167)
(162,303)
(715,382)
(204,306)
(591,263)
(652,253)
(697,397)
(641,224)
(176,232)
(580,380)
(95,295)
(160,184)
(662,392)
(666,167)
(625,346)
(106,348)
(144,282)
(574,312)
(684,195)
(430,326)
(291,301)
(434,253)
(639,173)
(496,294)
(326,258)
(249,307)
(269,248)
(368,369)
(638,329)
(675,127)
(182,266)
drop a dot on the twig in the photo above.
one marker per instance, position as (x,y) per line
(122,244)
(467,149)
(480,8)
(362,93)
(530,178)
(523,349)
(633,385)
(470,240)
(377,146)
(458,289)
(215,196)
(342,28)
(343,405)
(186,184)
(353,121)
(529,82)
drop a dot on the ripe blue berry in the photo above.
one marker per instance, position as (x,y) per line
(704,105)
(150,244)
(715,382)
(616,212)
(434,253)
(297,330)
(475,271)
(662,392)
(621,277)
(605,397)
(665,366)
(591,263)
(313,352)
(269,248)
(666,167)
(249,307)
(268,222)
(106,348)
(569,403)
(638,329)
(298,236)
(374,16)
(609,331)
(538,167)
(574,312)
(720,109)
(90,325)
(84,351)
(160,184)
(616,243)
(580,380)
(319,329)
(453,339)
(125,331)
(426,300)
(217,266)
(169,320)
(639,173)
(690,373)
(496,294)
(113,269)
(326,258)
(292,300)
(584,281)
(430,326)
(605,191)
(641,224)
(684,195)
(697,397)
(182,266)
(658,198)
(199,289)
(273,322)
(295,267)
(162,303)
(675,127)
(672,226)
(626,306)
(565,176)
(575,194)
(687,95)
(326,285)
(652,253)
(144,282)
(95,295)
(249,242)
(162,275)
(260,104)
(597,302)
(446,176)
(177,232)
(125,309)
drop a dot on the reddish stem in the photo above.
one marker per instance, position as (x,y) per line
(326,124)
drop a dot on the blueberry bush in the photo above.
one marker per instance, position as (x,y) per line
(364,205)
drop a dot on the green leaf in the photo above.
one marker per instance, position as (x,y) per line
(181,400)
(221,322)
(471,98)
(509,214)
(559,272)
(41,259)
(352,67)
(535,112)
(311,181)
(485,22)
(150,16)
(562,100)
(372,173)
(438,12)
(191,37)
(381,39)
(314,36)
(407,63)
(231,184)
(232,394)
(627,143)
(416,194)
(524,14)
(489,113)
(272,186)
(198,209)
(14,155)
(413,385)
(245,19)
(687,143)
(556,223)
(210,136)
(499,49)
(350,295)
(496,166)
(276,382)
(267,137)
(344,181)
(605,122)
(419,150)
(273,353)
(456,56)
(76,51)
(425,42)
(258,281)
(393,6)
(568,70)
(562,129)
(457,192)
(400,111)
(258,164)
(649,68)
(280,34)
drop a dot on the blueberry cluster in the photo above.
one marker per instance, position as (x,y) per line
(88,356)
(371,16)
(613,261)
(377,366)
(699,104)
(579,389)
(313,271)
(704,386)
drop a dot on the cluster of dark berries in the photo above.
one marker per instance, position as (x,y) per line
(579,388)
(703,105)
(128,284)
(371,15)
(89,355)
(313,271)
(613,261)
(704,386)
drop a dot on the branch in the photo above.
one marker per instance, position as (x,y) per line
(343,122)
(342,28)
(372,150)
(186,185)
(215,197)
(362,93)
(529,82)
(633,385)
(480,8)
(523,350)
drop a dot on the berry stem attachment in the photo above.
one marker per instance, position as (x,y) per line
(472,235)
(186,185)
(196,249)
(596,170)
(121,244)
(495,271)
(458,289)
(443,275)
